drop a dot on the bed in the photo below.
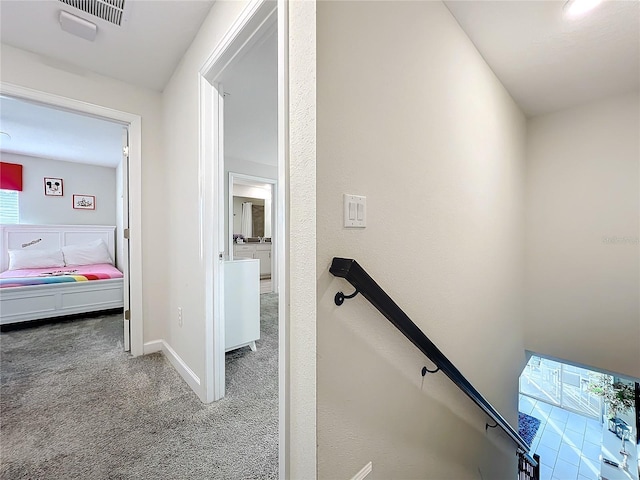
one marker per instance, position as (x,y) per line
(28,294)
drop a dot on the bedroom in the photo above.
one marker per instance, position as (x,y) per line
(69,190)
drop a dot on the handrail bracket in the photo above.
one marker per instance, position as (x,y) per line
(341,297)
(353,273)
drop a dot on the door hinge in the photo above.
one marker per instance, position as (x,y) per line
(126,233)
(127,315)
(125,151)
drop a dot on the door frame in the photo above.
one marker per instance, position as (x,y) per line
(254,20)
(124,205)
(134,123)
(274,220)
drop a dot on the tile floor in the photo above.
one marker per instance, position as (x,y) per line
(568,443)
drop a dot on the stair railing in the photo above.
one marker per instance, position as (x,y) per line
(352,272)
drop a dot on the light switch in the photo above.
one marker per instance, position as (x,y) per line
(355,211)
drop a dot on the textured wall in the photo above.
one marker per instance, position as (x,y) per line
(410,116)
(302,240)
(582,231)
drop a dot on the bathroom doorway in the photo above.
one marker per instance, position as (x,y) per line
(251,231)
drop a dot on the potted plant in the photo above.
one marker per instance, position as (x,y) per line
(618,396)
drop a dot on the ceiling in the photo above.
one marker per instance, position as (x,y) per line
(46,132)
(251,86)
(548,61)
(144,51)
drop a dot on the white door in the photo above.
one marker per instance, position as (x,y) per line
(124,237)
(224,251)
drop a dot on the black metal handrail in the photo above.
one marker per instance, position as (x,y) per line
(351,271)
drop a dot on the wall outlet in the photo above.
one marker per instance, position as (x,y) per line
(179,316)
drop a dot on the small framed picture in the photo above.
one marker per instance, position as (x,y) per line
(84,202)
(53,187)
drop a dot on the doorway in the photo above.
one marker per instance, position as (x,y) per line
(257,24)
(256,19)
(128,212)
(250,227)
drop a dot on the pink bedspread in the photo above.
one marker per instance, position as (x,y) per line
(40,276)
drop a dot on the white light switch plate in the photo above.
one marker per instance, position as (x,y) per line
(355,211)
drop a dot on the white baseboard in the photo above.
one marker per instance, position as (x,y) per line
(183,369)
(152,347)
(366,470)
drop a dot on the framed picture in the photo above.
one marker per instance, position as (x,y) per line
(84,202)
(53,187)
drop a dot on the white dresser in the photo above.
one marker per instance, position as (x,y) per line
(261,251)
(241,303)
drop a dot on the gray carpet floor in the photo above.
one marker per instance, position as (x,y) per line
(74,406)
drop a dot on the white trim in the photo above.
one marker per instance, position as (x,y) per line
(152,347)
(213,386)
(180,365)
(239,38)
(366,470)
(183,369)
(282,228)
(135,191)
(219,328)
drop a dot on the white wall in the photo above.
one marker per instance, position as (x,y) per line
(582,231)
(181,128)
(36,208)
(263,192)
(19,67)
(237,165)
(410,116)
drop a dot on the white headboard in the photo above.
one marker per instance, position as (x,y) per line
(51,237)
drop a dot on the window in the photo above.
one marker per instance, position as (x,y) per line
(9,212)
(560,384)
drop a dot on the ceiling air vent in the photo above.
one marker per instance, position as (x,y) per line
(110,10)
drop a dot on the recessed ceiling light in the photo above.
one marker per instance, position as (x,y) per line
(575,8)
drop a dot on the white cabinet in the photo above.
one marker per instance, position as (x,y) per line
(241,303)
(261,251)
(243,251)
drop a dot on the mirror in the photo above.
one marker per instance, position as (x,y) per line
(249,217)
(251,209)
